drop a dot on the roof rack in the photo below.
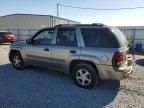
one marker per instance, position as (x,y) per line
(65,24)
(93,24)
(98,24)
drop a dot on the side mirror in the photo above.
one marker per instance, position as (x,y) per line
(29,41)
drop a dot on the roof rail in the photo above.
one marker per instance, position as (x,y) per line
(93,24)
(98,24)
(65,24)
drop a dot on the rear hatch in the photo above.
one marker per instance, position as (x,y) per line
(122,42)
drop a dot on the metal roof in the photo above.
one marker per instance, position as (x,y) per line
(39,15)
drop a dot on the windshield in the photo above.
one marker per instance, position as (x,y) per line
(120,36)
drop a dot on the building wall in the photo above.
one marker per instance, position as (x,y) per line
(56,21)
(24,22)
(134,34)
(26,25)
(27,21)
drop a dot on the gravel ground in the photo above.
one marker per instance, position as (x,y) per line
(40,88)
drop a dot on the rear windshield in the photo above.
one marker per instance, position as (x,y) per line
(99,37)
(120,36)
(6,33)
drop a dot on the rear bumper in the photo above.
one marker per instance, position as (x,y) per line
(108,72)
(127,68)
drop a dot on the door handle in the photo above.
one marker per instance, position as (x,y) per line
(46,49)
(72,51)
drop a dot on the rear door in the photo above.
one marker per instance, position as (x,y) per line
(65,49)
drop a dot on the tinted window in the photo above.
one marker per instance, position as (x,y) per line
(5,33)
(97,37)
(44,37)
(1,34)
(66,37)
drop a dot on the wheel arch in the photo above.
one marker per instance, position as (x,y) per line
(12,52)
(76,62)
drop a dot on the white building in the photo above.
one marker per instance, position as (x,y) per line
(26,25)
(134,34)
(31,21)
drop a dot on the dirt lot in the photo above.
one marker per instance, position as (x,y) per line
(40,88)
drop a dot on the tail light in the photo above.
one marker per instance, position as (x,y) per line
(117,58)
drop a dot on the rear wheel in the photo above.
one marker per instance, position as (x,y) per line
(85,75)
(17,61)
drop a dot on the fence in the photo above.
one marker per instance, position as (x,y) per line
(132,35)
(21,34)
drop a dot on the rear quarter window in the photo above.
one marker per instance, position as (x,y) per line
(99,37)
(1,33)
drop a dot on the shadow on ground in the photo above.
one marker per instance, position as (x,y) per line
(40,88)
(140,62)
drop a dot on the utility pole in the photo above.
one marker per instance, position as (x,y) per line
(58,12)
(57,9)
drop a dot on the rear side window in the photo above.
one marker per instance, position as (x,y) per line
(66,37)
(1,33)
(99,37)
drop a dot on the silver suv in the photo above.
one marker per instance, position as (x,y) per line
(88,52)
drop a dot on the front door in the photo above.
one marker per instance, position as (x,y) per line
(39,52)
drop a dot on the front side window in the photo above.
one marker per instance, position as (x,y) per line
(66,37)
(44,37)
(99,37)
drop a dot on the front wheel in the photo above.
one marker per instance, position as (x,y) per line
(85,75)
(17,61)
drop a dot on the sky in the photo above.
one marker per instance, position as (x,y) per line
(48,7)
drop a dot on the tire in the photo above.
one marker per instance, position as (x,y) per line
(85,76)
(17,61)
